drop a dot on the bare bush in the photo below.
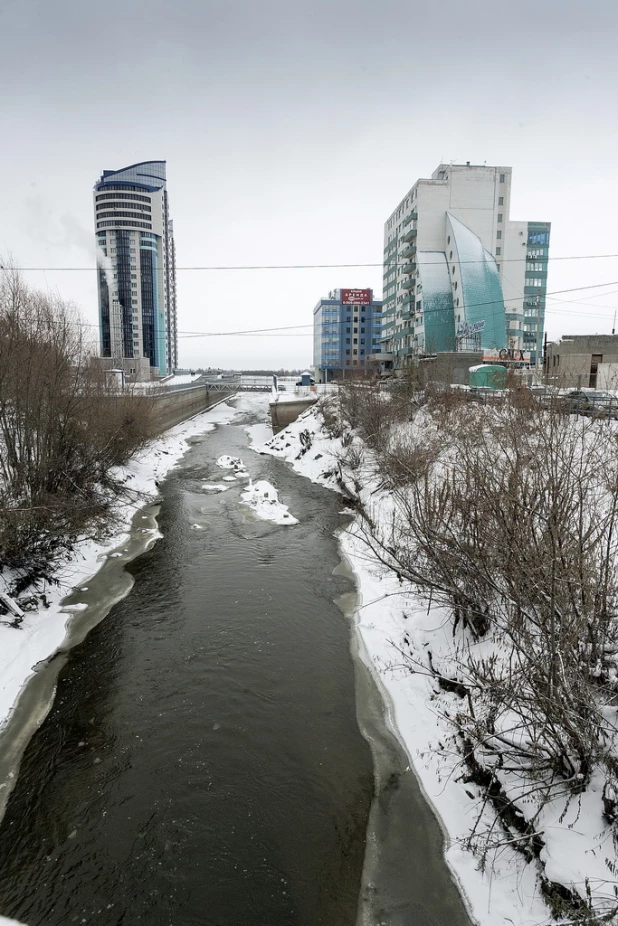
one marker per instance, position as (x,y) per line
(513,525)
(61,434)
(404,460)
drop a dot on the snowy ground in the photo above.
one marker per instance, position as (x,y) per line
(392,622)
(42,632)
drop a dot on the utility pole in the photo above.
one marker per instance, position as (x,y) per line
(538,333)
(546,367)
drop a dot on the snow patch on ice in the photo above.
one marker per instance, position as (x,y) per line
(215,487)
(259,434)
(263,499)
(227,462)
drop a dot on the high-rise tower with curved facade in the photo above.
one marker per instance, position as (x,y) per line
(137,268)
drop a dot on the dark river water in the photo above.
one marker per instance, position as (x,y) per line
(202,762)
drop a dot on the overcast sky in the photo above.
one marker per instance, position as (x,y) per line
(291,130)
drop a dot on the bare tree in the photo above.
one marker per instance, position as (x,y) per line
(61,434)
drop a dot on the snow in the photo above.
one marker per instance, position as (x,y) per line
(182,379)
(299,396)
(226,462)
(263,499)
(11,604)
(215,487)
(259,433)
(395,626)
(42,633)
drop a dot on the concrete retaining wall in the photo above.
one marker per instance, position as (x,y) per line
(173,407)
(284,413)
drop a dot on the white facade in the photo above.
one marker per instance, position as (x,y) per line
(479,197)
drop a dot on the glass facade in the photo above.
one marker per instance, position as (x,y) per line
(433,313)
(535,288)
(481,299)
(138,314)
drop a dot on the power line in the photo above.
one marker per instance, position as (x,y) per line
(300,328)
(216,334)
(243,267)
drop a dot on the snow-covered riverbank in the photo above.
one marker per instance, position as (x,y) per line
(394,625)
(42,632)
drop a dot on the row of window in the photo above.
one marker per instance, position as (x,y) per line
(115,206)
(132,196)
(123,215)
(120,223)
(122,186)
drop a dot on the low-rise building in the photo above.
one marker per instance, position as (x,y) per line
(346,333)
(574,361)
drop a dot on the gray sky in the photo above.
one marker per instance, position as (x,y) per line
(292,129)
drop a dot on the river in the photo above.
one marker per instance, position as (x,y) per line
(203,760)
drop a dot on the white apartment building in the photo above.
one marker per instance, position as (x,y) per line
(458,273)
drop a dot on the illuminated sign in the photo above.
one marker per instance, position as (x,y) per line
(356,296)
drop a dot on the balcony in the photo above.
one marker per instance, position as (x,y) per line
(409,268)
(409,251)
(409,299)
(410,218)
(409,235)
(409,284)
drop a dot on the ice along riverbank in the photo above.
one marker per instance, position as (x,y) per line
(26,650)
(202,757)
(392,623)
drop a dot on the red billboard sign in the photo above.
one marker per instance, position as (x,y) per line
(356,296)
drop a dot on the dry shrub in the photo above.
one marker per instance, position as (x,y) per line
(405,459)
(61,434)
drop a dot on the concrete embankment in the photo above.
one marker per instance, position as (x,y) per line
(173,406)
(283,413)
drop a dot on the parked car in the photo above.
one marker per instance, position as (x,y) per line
(592,404)
(545,395)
